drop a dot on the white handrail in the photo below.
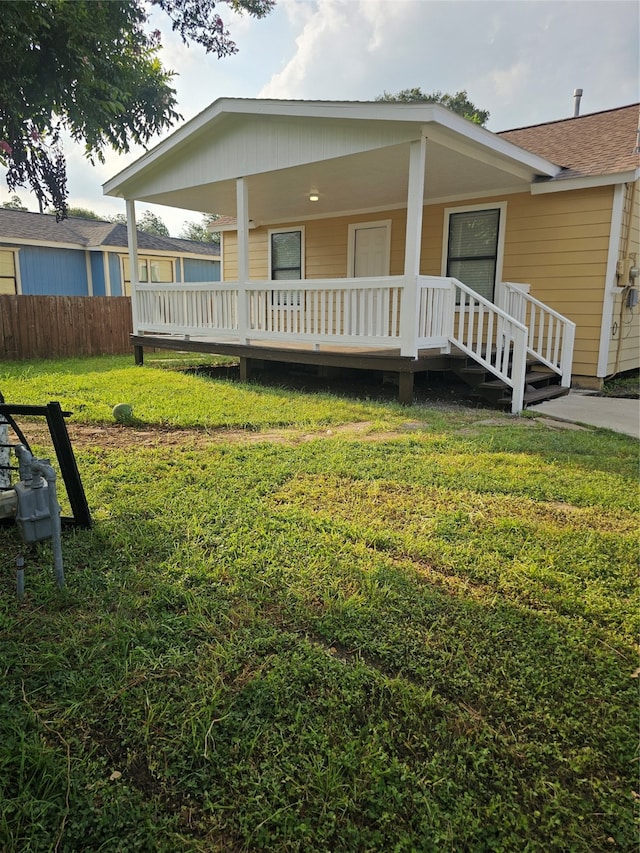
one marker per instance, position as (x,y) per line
(550,337)
(492,337)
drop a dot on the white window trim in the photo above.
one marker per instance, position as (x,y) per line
(124,260)
(295,299)
(502,227)
(299,228)
(351,244)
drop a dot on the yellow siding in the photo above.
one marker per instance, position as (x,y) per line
(624,349)
(326,246)
(556,242)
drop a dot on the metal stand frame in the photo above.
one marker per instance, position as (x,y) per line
(64,454)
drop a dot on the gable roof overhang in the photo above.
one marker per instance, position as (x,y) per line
(583,182)
(354,155)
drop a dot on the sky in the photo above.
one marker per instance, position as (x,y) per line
(519,59)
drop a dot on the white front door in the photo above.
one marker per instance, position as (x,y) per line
(369,246)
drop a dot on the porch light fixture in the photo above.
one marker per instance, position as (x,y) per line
(313,196)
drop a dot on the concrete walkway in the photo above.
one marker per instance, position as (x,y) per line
(617,414)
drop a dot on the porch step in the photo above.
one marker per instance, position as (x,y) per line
(541,383)
(538,380)
(547,392)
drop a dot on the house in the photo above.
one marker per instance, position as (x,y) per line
(86,257)
(404,238)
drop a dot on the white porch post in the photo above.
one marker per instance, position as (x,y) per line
(413,242)
(132,238)
(242,211)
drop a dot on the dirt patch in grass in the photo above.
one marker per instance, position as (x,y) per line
(118,436)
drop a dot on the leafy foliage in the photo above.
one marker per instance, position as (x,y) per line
(14,203)
(92,69)
(458,103)
(200,231)
(81,213)
(151,223)
(198,21)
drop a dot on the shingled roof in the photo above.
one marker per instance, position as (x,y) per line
(91,233)
(604,143)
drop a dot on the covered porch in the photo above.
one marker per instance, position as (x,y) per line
(269,164)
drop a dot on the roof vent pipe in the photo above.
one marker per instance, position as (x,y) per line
(577,94)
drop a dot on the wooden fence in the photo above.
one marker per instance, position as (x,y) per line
(58,326)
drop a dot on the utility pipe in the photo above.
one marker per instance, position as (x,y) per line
(41,467)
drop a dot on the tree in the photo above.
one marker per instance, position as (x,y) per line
(14,203)
(458,103)
(200,230)
(92,69)
(152,224)
(79,213)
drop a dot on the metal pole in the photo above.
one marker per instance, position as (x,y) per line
(20,576)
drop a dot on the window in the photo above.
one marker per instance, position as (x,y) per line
(286,255)
(473,250)
(149,270)
(8,281)
(286,263)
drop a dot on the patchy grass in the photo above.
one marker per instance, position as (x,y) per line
(168,397)
(625,385)
(425,642)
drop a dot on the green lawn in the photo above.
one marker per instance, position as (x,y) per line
(417,638)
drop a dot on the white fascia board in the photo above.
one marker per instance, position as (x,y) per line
(178,137)
(584,183)
(41,244)
(431,115)
(474,133)
(159,253)
(233,226)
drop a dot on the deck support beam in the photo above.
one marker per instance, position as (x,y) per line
(245,369)
(405,388)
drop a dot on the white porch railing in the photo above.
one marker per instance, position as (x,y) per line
(494,339)
(367,312)
(205,309)
(344,311)
(550,336)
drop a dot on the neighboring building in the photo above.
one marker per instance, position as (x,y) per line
(404,231)
(86,257)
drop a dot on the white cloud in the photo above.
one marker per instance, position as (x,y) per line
(519,59)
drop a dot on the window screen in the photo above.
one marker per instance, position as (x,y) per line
(473,249)
(286,255)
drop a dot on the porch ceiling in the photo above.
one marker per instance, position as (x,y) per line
(363,181)
(355,156)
